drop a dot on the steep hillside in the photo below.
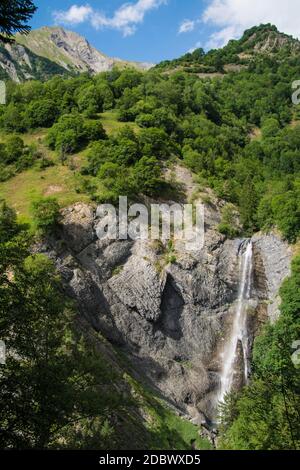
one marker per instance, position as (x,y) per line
(256,43)
(18,63)
(70,51)
(175,325)
(265,39)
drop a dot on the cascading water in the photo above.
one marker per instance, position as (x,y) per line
(239,334)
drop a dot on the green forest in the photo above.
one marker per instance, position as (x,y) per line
(239,134)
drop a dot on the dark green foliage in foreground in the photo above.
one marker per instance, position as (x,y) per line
(52,387)
(8,222)
(265,415)
(58,388)
(14,17)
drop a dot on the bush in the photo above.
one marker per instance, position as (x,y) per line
(67,134)
(8,222)
(14,149)
(93,131)
(45,214)
(147,176)
(71,132)
(145,120)
(228,230)
(229,225)
(41,113)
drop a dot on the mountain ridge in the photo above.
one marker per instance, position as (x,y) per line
(52,51)
(71,50)
(255,43)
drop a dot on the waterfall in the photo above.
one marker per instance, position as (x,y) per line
(239,334)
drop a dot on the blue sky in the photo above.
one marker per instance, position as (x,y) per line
(154,30)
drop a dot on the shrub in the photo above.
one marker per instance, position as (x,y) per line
(45,214)
(8,222)
(14,149)
(229,225)
(93,130)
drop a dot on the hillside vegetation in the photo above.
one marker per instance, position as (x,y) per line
(94,138)
(115,133)
(67,388)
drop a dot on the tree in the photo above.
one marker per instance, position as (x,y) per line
(67,134)
(8,222)
(286,210)
(145,120)
(106,94)
(45,214)
(130,78)
(154,141)
(41,113)
(55,387)
(125,151)
(14,148)
(94,130)
(90,102)
(116,182)
(12,119)
(229,223)
(248,205)
(14,16)
(147,176)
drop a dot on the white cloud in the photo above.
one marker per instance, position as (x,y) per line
(125,19)
(187,26)
(196,46)
(222,37)
(75,15)
(232,17)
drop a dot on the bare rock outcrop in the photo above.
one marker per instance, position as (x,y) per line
(170,319)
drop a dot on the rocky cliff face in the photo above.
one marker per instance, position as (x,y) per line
(18,63)
(46,52)
(171,320)
(71,51)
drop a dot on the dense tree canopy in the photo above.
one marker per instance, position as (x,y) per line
(55,386)
(236,132)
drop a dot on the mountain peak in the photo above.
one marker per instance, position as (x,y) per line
(267,38)
(256,42)
(70,50)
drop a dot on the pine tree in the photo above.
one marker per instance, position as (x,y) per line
(14,15)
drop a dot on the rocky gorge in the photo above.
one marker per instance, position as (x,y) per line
(171,319)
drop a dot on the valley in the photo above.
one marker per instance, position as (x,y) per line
(145,344)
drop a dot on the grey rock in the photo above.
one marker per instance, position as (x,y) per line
(272,268)
(171,320)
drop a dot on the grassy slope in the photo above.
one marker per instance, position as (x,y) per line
(38,41)
(111,123)
(58,181)
(167,430)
